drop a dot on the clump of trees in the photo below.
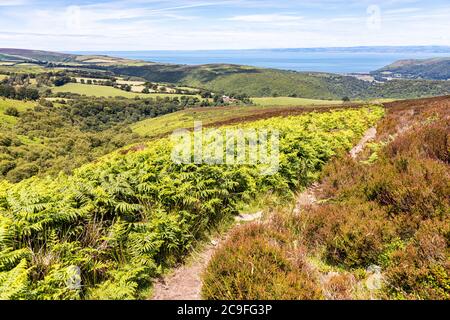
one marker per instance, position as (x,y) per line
(18,93)
(46,139)
(62,80)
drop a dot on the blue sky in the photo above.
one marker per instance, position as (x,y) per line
(220,24)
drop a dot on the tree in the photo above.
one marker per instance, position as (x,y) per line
(125,87)
(60,81)
(345,99)
(206,95)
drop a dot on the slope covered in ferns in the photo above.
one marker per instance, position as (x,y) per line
(107,230)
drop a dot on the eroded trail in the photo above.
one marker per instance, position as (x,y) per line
(185,282)
(368,136)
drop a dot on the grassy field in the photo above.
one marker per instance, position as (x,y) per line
(22,68)
(19,105)
(105,91)
(130,82)
(2,76)
(164,125)
(107,61)
(188,89)
(287,101)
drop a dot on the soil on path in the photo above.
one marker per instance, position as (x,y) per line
(185,282)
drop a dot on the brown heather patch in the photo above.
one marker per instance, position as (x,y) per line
(255,265)
(394,213)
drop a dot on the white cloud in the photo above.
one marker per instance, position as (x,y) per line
(8,3)
(265,18)
(402,10)
(186,24)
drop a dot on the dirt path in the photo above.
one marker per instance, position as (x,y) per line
(185,282)
(368,136)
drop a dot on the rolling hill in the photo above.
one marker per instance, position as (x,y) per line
(258,82)
(35,55)
(38,56)
(431,69)
(253,81)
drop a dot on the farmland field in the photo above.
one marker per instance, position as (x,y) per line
(105,91)
(130,82)
(136,86)
(22,68)
(188,89)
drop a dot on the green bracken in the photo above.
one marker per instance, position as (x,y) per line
(124,218)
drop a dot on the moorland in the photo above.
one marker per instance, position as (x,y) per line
(92,205)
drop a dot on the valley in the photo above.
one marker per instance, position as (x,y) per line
(226,79)
(93,205)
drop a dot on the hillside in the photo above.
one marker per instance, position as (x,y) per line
(118,223)
(218,116)
(257,82)
(35,55)
(431,69)
(236,79)
(42,57)
(375,226)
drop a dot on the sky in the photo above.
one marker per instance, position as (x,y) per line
(113,25)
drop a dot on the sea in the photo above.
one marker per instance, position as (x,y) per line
(333,60)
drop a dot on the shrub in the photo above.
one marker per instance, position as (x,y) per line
(12,111)
(352,234)
(408,186)
(339,286)
(421,270)
(138,209)
(393,211)
(253,266)
(430,141)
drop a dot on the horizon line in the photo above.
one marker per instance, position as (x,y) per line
(266,49)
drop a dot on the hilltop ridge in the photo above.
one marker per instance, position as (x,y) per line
(252,81)
(430,69)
